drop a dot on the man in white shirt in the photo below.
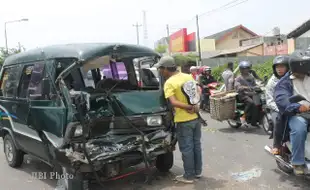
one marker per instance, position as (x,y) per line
(228,77)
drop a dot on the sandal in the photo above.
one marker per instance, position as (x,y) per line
(275,151)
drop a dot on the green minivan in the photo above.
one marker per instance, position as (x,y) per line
(79,108)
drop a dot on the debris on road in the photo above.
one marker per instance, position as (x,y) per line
(247,175)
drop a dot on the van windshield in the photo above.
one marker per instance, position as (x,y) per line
(107,75)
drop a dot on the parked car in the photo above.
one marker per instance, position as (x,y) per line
(82,112)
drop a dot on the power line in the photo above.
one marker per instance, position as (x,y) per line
(219,9)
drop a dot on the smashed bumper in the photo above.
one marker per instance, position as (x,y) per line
(111,146)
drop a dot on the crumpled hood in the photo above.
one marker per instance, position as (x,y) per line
(141,102)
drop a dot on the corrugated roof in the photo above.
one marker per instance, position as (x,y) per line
(304,27)
(222,34)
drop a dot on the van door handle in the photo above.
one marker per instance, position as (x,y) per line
(14,108)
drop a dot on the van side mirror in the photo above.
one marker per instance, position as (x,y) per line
(46,87)
(296,98)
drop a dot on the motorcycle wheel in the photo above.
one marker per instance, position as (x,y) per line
(233,123)
(265,123)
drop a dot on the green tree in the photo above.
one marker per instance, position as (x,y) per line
(182,60)
(161,48)
(11,51)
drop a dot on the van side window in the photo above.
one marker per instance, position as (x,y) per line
(10,79)
(36,79)
(24,81)
(30,81)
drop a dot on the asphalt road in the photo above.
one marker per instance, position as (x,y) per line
(233,159)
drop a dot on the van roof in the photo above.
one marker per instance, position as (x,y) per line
(80,51)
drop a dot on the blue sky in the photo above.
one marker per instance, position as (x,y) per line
(68,21)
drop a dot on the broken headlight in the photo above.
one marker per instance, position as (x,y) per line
(154,120)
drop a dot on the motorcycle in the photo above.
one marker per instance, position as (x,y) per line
(264,118)
(283,159)
(210,90)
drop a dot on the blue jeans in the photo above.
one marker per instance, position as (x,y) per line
(189,135)
(298,136)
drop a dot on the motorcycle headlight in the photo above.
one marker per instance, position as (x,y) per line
(154,120)
(78,131)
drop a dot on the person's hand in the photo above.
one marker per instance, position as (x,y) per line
(195,109)
(304,108)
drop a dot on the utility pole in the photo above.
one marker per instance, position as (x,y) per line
(198,38)
(19,47)
(168,38)
(145,31)
(137,25)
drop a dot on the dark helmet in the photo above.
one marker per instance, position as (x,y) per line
(280,60)
(245,65)
(299,62)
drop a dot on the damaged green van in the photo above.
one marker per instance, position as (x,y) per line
(79,108)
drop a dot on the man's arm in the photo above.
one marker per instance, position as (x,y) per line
(282,94)
(213,79)
(255,75)
(269,94)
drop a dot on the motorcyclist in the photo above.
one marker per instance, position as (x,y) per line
(295,82)
(245,86)
(204,79)
(280,67)
(193,71)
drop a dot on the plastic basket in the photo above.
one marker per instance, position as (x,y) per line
(223,105)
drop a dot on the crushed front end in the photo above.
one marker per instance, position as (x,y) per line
(117,135)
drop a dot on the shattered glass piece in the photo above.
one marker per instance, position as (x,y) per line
(247,175)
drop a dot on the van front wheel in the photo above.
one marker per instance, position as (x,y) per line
(13,156)
(72,181)
(164,162)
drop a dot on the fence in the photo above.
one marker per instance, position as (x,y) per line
(215,62)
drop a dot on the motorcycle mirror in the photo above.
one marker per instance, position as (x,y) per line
(296,98)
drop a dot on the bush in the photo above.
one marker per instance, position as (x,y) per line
(263,69)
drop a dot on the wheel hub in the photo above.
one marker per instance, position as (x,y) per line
(9,151)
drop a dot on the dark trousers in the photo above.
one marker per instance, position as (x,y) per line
(278,130)
(251,109)
(205,100)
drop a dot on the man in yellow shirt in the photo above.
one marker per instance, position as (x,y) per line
(188,125)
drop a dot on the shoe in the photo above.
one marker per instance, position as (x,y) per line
(299,170)
(181,178)
(198,176)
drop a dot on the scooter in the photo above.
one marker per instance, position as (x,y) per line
(260,101)
(283,160)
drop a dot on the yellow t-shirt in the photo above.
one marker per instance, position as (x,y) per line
(173,87)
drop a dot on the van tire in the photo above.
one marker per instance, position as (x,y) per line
(74,181)
(13,156)
(164,162)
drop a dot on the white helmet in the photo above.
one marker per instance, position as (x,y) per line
(192,68)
